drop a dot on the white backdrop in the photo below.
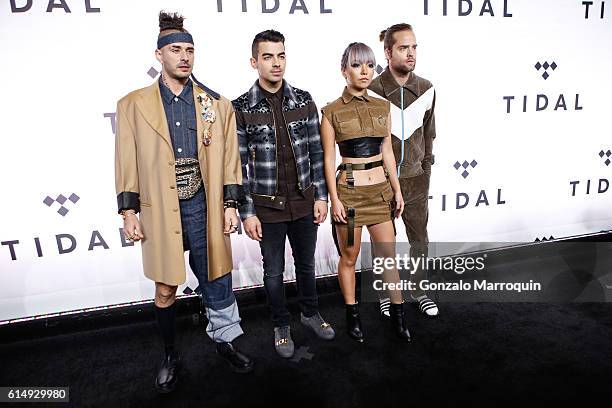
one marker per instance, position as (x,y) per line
(62,73)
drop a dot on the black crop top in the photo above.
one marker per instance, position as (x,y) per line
(360,147)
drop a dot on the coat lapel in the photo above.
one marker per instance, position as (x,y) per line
(201,127)
(153,111)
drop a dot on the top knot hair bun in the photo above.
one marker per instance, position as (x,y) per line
(170,21)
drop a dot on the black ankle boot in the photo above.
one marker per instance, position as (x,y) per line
(398,323)
(167,376)
(353,322)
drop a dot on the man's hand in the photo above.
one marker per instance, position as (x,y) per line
(252,227)
(320,211)
(231,221)
(132,228)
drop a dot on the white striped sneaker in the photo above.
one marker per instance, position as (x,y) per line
(427,306)
(385,304)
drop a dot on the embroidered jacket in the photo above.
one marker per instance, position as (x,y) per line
(257,141)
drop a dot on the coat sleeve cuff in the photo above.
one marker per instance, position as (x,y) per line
(128,200)
(234,192)
(246,210)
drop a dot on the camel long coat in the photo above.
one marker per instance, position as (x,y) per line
(145,165)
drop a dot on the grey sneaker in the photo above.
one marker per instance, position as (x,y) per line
(283,342)
(319,326)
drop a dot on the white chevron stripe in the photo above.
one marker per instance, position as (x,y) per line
(413,114)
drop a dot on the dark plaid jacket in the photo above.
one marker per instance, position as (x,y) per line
(258,147)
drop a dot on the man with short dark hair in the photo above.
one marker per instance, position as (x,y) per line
(412,104)
(286,194)
(177,163)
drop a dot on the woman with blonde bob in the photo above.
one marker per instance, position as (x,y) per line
(364,193)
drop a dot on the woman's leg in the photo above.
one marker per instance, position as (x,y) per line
(346,264)
(383,238)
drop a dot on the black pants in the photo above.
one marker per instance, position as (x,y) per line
(302,235)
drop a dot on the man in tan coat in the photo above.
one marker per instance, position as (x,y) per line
(177,164)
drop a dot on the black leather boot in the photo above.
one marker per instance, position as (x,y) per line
(353,322)
(238,361)
(167,376)
(398,323)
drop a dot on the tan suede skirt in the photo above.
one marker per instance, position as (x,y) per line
(372,204)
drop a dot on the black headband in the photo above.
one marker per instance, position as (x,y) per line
(174,38)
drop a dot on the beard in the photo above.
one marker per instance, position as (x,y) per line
(403,69)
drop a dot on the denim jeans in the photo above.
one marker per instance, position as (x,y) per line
(302,234)
(217,295)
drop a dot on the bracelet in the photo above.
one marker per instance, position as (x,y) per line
(230,204)
(125,213)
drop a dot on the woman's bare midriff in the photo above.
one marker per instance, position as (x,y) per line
(364,177)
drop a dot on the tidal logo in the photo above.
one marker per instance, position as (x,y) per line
(467,7)
(542,102)
(588,4)
(61,200)
(66,243)
(465,165)
(592,187)
(605,156)
(477,198)
(273,6)
(545,67)
(600,186)
(23,6)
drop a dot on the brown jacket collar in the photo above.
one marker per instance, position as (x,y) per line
(391,86)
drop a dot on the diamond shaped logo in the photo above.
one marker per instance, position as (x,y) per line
(64,203)
(605,155)
(74,198)
(464,167)
(379,69)
(152,72)
(545,66)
